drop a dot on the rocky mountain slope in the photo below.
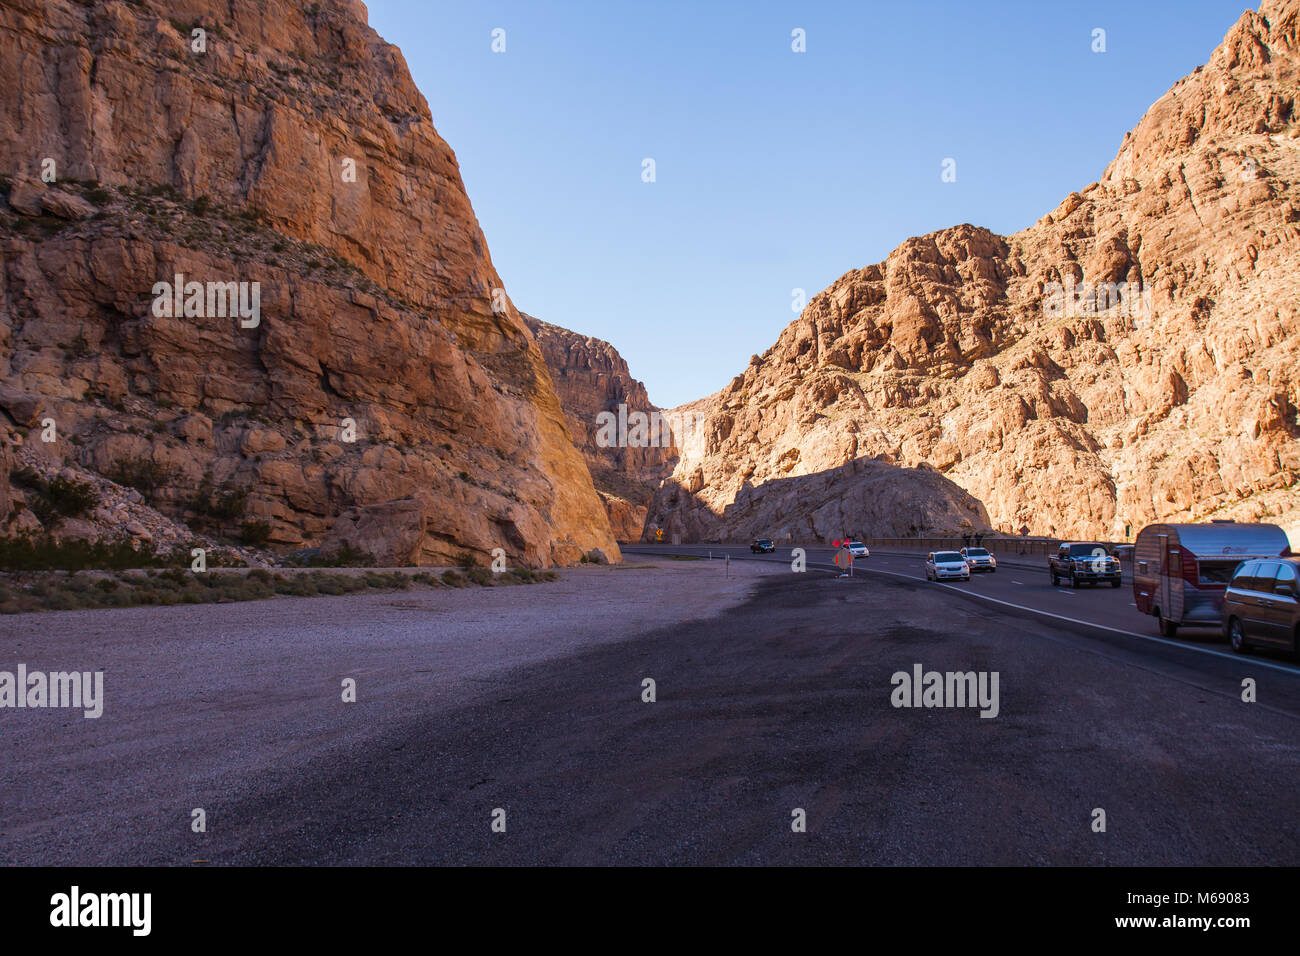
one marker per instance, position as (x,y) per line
(1133,356)
(591,378)
(387,396)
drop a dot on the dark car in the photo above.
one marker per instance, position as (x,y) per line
(1262,605)
(762,546)
(1082,562)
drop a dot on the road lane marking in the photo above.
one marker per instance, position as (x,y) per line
(1252,661)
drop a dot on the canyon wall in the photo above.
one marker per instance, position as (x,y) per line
(1133,356)
(388,397)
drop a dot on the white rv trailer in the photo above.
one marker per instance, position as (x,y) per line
(1181,571)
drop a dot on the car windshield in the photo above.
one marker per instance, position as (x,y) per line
(942,557)
(976,553)
(856,544)
(1087,551)
(764,542)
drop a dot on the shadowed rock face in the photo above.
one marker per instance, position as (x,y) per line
(592,378)
(957,350)
(294,151)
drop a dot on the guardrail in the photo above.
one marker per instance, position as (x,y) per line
(997,543)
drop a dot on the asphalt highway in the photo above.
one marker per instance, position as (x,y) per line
(778,732)
(1014,588)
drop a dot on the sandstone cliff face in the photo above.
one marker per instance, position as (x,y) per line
(381,401)
(591,378)
(958,350)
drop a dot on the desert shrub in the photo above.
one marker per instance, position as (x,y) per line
(465,560)
(146,477)
(60,498)
(255,533)
(453,579)
(345,557)
(43,553)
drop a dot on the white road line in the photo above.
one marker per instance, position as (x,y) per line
(1253,661)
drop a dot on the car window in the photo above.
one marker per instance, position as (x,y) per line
(1286,575)
(942,556)
(1245,575)
(976,552)
(1265,576)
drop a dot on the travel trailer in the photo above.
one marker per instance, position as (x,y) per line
(1180,571)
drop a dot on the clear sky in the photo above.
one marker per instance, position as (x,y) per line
(774,170)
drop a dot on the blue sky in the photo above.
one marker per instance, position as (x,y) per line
(775,170)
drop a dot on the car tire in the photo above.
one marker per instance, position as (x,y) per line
(1237,637)
(1053,574)
(1167,627)
(1114,584)
(1074,581)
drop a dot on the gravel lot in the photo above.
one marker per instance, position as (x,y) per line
(205,704)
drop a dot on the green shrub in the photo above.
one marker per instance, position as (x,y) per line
(43,553)
(54,500)
(255,533)
(146,477)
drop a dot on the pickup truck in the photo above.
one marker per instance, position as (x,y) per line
(1083,561)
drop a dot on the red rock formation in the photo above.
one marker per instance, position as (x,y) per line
(294,151)
(591,378)
(958,350)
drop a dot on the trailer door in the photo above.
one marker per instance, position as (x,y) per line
(1174,581)
(1162,575)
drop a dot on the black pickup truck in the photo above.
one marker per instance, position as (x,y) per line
(1084,561)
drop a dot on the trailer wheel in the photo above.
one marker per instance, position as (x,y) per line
(1167,627)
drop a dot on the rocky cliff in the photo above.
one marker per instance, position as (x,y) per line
(592,379)
(386,394)
(1133,356)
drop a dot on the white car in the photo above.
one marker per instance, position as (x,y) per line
(858,549)
(946,566)
(979,559)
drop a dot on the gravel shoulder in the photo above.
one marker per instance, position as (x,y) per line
(203,702)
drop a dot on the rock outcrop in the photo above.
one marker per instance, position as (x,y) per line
(1133,356)
(592,379)
(385,382)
